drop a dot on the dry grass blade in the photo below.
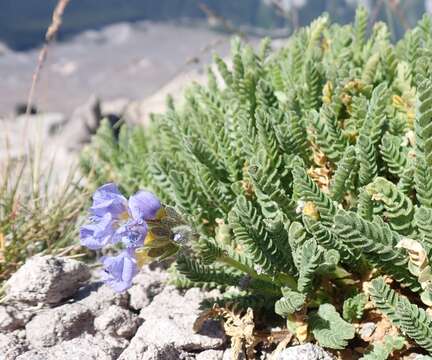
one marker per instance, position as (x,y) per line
(212,16)
(49,36)
(36,215)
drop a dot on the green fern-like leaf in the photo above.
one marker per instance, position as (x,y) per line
(329,329)
(329,240)
(353,307)
(197,272)
(378,243)
(268,188)
(417,324)
(383,350)
(307,190)
(359,32)
(423,216)
(412,320)
(291,302)
(386,299)
(311,256)
(393,154)
(399,208)
(365,206)
(368,168)
(376,115)
(341,176)
(423,129)
(249,230)
(328,134)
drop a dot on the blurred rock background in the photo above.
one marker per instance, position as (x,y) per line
(121,58)
(130,49)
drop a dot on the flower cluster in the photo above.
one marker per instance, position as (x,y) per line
(116,220)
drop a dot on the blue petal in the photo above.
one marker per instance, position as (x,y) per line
(98,234)
(105,192)
(144,205)
(107,198)
(119,270)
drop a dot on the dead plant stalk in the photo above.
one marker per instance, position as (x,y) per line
(49,36)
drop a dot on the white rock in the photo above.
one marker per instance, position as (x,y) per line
(12,318)
(305,352)
(146,285)
(11,346)
(169,320)
(116,321)
(118,33)
(116,107)
(4,49)
(46,279)
(228,355)
(53,326)
(210,355)
(367,329)
(83,122)
(47,124)
(152,352)
(98,298)
(86,347)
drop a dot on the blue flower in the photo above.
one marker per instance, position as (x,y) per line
(119,270)
(115,219)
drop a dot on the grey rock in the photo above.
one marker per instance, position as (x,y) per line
(210,355)
(12,318)
(83,122)
(48,124)
(146,285)
(88,114)
(153,352)
(4,49)
(367,329)
(169,320)
(20,335)
(115,107)
(86,347)
(116,344)
(116,321)
(11,346)
(53,326)
(187,356)
(34,355)
(46,279)
(305,352)
(97,297)
(118,33)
